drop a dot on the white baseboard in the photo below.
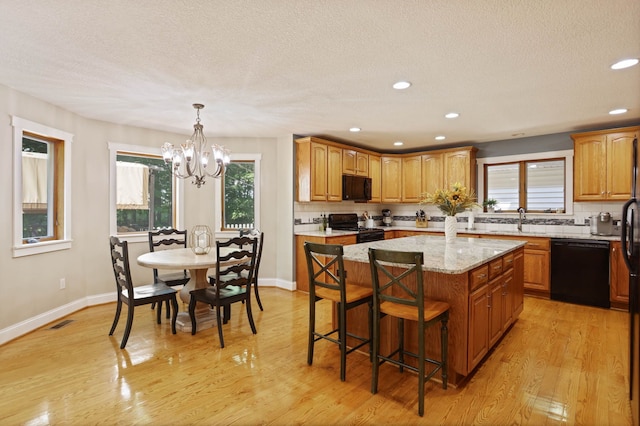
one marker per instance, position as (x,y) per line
(30,324)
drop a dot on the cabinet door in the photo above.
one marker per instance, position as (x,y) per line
(362,164)
(391,178)
(376,181)
(536,270)
(432,173)
(458,168)
(496,316)
(318,172)
(619,277)
(478,326)
(518,283)
(334,174)
(508,298)
(619,164)
(589,170)
(411,179)
(348,162)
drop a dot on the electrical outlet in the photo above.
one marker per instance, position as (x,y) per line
(63,283)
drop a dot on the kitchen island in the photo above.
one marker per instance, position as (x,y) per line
(481,279)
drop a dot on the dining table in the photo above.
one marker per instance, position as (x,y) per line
(198,266)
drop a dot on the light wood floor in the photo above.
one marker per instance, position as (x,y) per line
(559,364)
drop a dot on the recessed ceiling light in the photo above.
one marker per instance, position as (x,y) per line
(400,85)
(618,111)
(626,63)
(440,138)
(452,115)
(355,129)
(398,143)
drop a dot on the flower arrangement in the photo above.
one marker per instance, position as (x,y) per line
(451,202)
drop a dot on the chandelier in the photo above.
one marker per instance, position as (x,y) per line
(192,159)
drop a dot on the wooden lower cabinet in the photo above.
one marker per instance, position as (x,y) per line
(494,305)
(302,277)
(619,277)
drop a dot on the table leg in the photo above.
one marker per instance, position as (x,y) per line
(205,316)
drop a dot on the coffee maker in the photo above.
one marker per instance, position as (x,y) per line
(602,224)
(386,217)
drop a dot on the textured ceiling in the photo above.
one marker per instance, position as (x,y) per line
(272,67)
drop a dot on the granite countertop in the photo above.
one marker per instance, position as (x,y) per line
(457,257)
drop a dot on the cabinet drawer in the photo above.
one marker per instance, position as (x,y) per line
(342,240)
(478,277)
(495,268)
(507,261)
(538,244)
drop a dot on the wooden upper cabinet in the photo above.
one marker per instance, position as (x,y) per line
(391,179)
(602,164)
(432,172)
(411,179)
(334,174)
(319,171)
(375,173)
(355,163)
(459,166)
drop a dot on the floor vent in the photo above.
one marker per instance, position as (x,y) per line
(60,324)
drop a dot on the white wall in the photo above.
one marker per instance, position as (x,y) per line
(30,285)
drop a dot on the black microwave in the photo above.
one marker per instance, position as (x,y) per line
(356,188)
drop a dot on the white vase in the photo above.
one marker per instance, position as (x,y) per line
(450,228)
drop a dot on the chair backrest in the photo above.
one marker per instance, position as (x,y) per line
(120,262)
(397,277)
(324,266)
(165,238)
(255,233)
(236,263)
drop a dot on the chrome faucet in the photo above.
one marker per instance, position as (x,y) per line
(522,216)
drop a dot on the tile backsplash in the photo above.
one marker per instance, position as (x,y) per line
(307,216)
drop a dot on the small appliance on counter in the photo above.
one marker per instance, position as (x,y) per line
(602,224)
(386,217)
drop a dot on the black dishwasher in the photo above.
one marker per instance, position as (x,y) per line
(580,271)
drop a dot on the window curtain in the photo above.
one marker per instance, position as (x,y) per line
(132,183)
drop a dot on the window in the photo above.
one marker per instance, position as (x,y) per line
(537,182)
(42,170)
(239,194)
(143,195)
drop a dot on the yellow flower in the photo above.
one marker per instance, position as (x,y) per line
(453,201)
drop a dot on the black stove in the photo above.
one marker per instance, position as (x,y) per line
(349,222)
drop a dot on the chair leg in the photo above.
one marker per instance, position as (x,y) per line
(116,318)
(250,316)
(159,313)
(421,363)
(342,338)
(168,309)
(174,316)
(312,329)
(401,342)
(375,351)
(192,314)
(218,320)
(127,329)
(255,290)
(370,319)
(444,350)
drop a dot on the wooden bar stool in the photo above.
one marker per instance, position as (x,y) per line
(398,291)
(327,281)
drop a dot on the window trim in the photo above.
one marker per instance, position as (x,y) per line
(256,158)
(549,155)
(178,190)
(20,126)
